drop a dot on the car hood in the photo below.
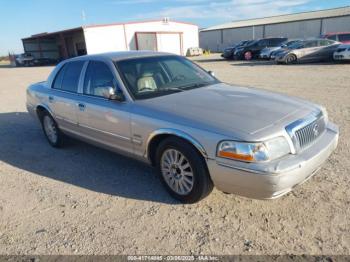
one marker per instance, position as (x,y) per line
(226,109)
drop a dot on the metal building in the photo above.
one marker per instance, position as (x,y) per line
(161,35)
(300,25)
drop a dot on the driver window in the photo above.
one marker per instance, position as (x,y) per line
(98,79)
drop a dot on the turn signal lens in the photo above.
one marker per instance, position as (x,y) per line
(254,152)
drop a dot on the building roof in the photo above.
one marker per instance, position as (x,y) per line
(335,12)
(46,34)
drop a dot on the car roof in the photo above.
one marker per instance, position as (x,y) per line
(121,55)
(336,33)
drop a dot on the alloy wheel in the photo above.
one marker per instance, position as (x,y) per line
(177,171)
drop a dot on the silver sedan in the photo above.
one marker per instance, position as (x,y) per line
(195,130)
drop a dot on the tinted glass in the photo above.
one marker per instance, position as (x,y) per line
(71,76)
(311,44)
(263,43)
(98,79)
(324,42)
(275,41)
(344,37)
(332,37)
(58,79)
(161,75)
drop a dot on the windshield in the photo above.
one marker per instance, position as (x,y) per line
(296,45)
(149,77)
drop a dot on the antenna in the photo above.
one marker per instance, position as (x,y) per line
(83,16)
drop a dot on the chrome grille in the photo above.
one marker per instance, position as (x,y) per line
(309,133)
(304,132)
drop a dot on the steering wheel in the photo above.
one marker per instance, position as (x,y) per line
(179,77)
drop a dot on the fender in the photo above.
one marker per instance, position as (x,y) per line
(178,133)
(46,108)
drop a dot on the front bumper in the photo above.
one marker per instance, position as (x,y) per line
(276,178)
(341,56)
(264,56)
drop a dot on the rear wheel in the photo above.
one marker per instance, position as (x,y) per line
(183,170)
(52,132)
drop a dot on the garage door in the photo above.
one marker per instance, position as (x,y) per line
(160,41)
(169,42)
(146,41)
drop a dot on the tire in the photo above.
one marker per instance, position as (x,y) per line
(290,59)
(248,56)
(51,130)
(183,171)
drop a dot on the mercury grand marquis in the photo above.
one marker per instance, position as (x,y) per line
(195,130)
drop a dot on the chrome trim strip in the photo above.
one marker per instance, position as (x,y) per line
(105,132)
(175,132)
(66,120)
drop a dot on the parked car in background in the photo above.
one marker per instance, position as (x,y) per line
(253,49)
(342,53)
(25,59)
(315,50)
(342,37)
(197,131)
(292,46)
(229,51)
(267,53)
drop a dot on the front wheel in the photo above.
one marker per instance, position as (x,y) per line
(248,56)
(183,171)
(291,59)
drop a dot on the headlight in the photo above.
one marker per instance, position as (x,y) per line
(254,152)
(324,113)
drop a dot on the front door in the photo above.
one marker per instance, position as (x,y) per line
(100,119)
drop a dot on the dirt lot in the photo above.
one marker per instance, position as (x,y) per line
(84,200)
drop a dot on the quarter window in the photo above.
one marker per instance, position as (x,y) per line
(98,79)
(344,37)
(71,76)
(67,78)
(58,79)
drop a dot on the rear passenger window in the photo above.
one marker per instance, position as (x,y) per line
(98,79)
(332,37)
(344,37)
(71,76)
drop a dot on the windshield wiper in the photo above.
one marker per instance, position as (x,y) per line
(176,89)
(196,85)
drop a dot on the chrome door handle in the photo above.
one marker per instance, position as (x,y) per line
(51,99)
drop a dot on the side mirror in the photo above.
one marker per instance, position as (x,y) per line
(211,73)
(116,95)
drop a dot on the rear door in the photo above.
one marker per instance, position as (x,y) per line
(309,52)
(327,48)
(64,95)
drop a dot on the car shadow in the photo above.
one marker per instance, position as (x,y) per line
(254,63)
(269,62)
(210,60)
(23,145)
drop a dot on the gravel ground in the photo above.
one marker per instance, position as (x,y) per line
(85,200)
